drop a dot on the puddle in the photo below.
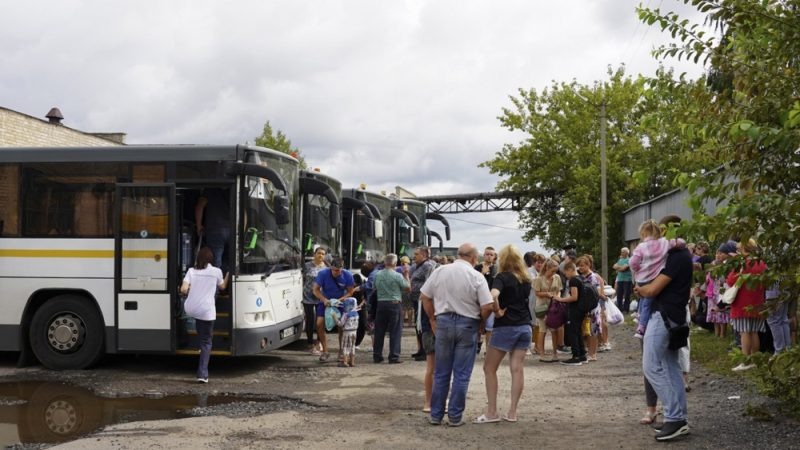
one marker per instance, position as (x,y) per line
(49,413)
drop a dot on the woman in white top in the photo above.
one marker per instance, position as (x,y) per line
(201,283)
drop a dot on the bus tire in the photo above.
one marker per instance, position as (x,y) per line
(67,333)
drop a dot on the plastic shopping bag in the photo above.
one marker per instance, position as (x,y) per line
(613,314)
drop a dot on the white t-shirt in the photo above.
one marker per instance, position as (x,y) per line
(202,288)
(457,288)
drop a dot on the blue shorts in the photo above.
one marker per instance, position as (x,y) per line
(508,339)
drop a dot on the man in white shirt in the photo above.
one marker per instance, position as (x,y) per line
(456,299)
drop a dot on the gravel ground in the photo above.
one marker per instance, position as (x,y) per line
(287,399)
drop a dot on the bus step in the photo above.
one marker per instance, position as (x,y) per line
(195,351)
(216,333)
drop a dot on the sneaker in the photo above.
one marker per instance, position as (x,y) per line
(583,359)
(572,362)
(324,357)
(202,380)
(433,421)
(564,350)
(457,423)
(605,347)
(742,367)
(638,335)
(671,430)
(422,357)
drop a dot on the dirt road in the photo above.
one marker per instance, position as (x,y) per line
(317,405)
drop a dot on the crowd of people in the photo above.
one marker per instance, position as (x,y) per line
(505,303)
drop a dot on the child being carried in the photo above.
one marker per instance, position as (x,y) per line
(647,261)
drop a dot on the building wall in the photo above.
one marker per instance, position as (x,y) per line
(21,130)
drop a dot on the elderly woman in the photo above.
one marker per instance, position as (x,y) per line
(624,282)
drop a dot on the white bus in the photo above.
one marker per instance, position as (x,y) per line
(94,243)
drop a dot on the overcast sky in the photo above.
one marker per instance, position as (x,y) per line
(385,93)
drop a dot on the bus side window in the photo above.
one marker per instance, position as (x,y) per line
(9,200)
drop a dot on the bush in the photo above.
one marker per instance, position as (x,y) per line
(779,377)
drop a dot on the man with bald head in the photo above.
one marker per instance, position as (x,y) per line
(456,299)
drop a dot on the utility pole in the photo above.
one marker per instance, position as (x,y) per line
(603,196)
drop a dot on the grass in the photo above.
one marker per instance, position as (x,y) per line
(712,351)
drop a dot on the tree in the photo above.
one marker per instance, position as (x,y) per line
(278,141)
(557,164)
(748,116)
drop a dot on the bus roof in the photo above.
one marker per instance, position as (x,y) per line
(134,153)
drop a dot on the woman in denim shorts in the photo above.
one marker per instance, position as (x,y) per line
(511,333)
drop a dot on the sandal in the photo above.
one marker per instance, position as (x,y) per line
(649,418)
(509,419)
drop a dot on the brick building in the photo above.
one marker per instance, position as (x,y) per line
(21,130)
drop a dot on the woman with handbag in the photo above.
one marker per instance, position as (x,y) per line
(717,312)
(745,316)
(546,286)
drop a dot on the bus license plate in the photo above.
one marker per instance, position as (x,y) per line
(287,332)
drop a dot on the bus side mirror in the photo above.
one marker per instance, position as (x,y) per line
(378,229)
(411,237)
(334,215)
(282,216)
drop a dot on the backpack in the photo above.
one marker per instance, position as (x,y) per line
(588,297)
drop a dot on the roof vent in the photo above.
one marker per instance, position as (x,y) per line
(55,116)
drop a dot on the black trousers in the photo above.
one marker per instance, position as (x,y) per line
(574,335)
(310,313)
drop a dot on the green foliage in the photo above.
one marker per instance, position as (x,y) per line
(779,377)
(712,352)
(749,114)
(748,118)
(278,141)
(557,164)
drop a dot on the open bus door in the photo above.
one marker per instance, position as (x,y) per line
(145,250)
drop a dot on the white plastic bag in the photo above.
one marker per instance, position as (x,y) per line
(634,306)
(613,314)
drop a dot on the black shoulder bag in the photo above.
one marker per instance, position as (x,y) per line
(678,334)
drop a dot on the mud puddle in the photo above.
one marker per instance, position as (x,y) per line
(34,412)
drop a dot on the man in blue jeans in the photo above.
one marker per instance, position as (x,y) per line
(456,299)
(670,289)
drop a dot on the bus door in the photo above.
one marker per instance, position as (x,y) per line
(145,267)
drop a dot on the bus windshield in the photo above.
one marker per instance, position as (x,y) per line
(374,245)
(270,233)
(319,231)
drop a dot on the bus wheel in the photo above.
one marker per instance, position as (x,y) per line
(67,333)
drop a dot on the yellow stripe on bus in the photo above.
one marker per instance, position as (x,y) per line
(48,253)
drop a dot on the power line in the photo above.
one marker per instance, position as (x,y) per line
(484,224)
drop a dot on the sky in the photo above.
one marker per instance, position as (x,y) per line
(383,93)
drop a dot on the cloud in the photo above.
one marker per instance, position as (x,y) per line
(386,93)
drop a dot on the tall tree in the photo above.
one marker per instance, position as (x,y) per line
(277,140)
(748,117)
(557,163)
